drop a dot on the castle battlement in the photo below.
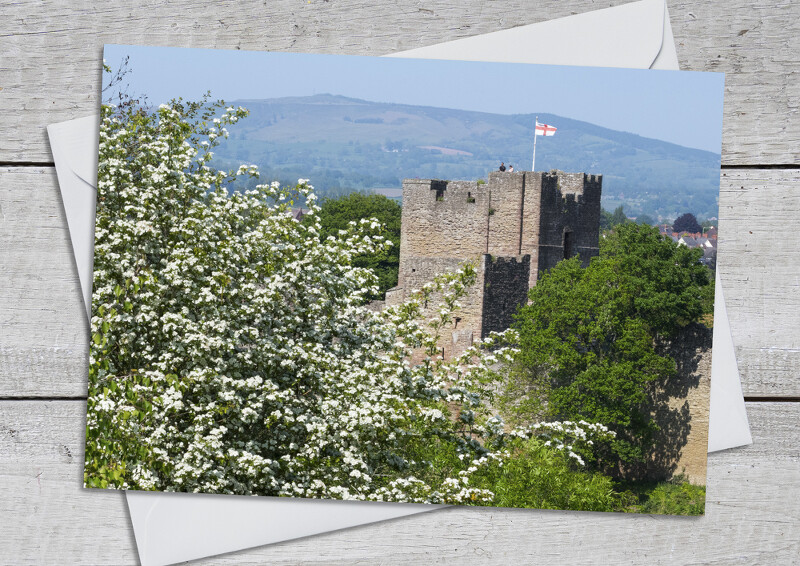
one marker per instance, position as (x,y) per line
(515,227)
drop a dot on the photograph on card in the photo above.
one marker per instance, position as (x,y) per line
(403,280)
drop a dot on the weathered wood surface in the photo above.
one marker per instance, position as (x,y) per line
(50,52)
(45,343)
(759,261)
(752,514)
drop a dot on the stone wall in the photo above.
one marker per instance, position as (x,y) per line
(505,288)
(681,408)
(444,219)
(514,216)
(507,191)
(570,218)
(545,215)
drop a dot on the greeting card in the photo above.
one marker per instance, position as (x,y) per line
(403,280)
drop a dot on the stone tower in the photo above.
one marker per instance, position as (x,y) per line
(515,227)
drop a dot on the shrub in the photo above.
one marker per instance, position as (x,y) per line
(676,497)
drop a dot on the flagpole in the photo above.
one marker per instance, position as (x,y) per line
(535,123)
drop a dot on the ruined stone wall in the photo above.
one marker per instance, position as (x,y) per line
(569,218)
(505,288)
(526,221)
(681,408)
(444,225)
(444,219)
(505,213)
(531,220)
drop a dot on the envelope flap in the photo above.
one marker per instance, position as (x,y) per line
(77,141)
(629,36)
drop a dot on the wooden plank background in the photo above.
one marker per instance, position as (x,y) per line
(50,71)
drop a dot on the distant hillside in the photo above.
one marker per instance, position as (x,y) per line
(345,144)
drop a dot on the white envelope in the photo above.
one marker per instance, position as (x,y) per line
(171,527)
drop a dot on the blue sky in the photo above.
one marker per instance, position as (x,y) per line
(681,107)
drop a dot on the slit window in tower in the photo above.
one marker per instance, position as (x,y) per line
(567,245)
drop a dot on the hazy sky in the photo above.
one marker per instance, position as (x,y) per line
(675,106)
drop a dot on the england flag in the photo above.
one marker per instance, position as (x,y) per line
(545,130)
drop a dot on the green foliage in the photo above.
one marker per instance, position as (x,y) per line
(539,477)
(525,392)
(587,336)
(337,213)
(676,497)
(618,217)
(645,219)
(666,281)
(608,220)
(686,223)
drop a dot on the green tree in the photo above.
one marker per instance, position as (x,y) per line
(645,219)
(686,223)
(588,336)
(336,214)
(610,219)
(618,217)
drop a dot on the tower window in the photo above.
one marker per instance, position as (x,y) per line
(568,245)
(439,186)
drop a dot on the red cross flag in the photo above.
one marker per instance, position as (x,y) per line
(544,130)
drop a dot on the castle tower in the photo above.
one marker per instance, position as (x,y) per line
(515,227)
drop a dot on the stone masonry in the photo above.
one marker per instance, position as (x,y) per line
(514,227)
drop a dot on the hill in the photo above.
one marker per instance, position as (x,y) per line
(344,144)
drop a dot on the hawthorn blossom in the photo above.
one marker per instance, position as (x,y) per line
(232,350)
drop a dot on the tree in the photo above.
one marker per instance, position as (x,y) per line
(588,336)
(336,213)
(231,351)
(686,223)
(608,220)
(645,219)
(618,217)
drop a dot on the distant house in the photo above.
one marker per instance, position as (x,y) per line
(710,257)
(706,243)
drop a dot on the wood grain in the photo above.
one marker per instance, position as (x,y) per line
(759,255)
(50,52)
(752,516)
(45,337)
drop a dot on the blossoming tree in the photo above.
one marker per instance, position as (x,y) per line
(232,351)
